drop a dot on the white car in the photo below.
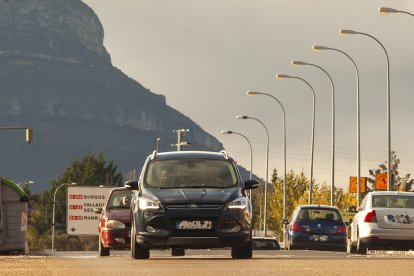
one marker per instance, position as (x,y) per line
(385,220)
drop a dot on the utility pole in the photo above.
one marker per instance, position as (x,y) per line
(179,142)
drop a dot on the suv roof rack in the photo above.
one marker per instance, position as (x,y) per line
(154,154)
(224,154)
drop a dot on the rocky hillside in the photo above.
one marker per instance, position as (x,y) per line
(56,77)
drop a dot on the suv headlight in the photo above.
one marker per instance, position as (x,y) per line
(148,204)
(111,223)
(238,203)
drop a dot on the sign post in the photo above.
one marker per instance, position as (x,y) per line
(81,201)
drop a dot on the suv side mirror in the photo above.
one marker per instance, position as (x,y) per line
(97,210)
(251,184)
(131,185)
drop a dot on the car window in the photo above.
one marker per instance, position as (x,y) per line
(190,173)
(119,199)
(319,214)
(392,201)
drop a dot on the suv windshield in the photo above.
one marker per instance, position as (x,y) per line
(190,173)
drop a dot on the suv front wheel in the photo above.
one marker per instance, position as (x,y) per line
(137,251)
(242,252)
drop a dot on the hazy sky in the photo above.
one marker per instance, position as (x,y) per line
(204,56)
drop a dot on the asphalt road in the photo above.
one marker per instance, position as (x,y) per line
(210,262)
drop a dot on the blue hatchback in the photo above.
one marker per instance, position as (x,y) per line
(316,227)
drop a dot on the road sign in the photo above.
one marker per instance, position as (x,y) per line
(353,180)
(381,182)
(81,219)
(347,217)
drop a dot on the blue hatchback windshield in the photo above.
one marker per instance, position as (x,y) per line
(190,173)
(319,214)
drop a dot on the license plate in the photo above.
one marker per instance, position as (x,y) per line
(322,238)
(194,224)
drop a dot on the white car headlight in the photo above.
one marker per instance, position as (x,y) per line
(238,203)
(148,204)
(114,224)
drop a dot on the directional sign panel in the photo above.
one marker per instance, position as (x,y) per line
(81,218)
(353,184)
(381,182)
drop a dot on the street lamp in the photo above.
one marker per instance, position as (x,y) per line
(386,11)
(29,132)
(250,145)
(344,32)
(318,48)
(27,182)
(243,117)
(298,63)
(283,76)
(53,213)
(252,93)
(26,185)
(251,152)
(158,142)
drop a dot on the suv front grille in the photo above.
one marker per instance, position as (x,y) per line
(193,206)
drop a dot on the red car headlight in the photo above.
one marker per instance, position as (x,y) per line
(114,224)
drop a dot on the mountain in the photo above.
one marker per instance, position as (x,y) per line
(57,78)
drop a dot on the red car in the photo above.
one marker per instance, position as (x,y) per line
(115,222)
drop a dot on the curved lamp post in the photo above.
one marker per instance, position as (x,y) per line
(243,117)
(386,11)
(283,76)
(299,63)
(344,32)
(25,185)
(252,93)
(318,48)
(53,213)
(251,152)
(250,145)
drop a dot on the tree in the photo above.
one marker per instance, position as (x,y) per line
(91,170)
(399,183)
(297,193)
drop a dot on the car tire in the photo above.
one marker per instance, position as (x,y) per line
(242,252)
(289,245)
(176,252)
(360,247)
(137,251)
(351,248)
(103,251)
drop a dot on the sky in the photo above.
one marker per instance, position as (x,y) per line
(205,55)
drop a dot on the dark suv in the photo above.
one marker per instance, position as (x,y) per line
(190,199)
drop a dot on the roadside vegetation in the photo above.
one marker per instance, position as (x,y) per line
(91,170)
